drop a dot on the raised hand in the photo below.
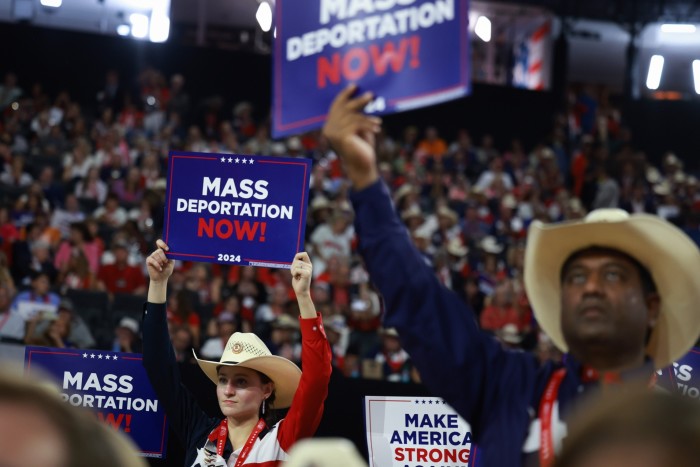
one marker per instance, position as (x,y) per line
(351,134)
(159,266)
(301,274)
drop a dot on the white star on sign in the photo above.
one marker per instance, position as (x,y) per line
(92,355)
(237,160)
(250,161)
(230,159)
(84,355)
(100,356)
(114,357)
(223,159)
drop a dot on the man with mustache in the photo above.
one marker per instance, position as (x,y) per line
(616,291)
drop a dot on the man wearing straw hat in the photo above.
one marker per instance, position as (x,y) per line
(618,292)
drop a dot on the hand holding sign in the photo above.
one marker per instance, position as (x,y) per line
(351,133)
(159,266)
(301,273)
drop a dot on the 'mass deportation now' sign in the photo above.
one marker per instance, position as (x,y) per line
(416,432)
(236,209)
(112,384)
(683,376)
(409,53)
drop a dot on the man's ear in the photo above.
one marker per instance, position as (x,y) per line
(653,306)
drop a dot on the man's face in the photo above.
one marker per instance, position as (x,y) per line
(603,302)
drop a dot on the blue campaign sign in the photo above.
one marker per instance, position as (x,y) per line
(409,53)
(236,209)
(112,384)
(683,376)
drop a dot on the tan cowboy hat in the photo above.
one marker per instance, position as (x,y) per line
(670,256)
(327,452)
(247,350)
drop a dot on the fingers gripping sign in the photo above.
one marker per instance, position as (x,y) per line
(301,273)
(159,266)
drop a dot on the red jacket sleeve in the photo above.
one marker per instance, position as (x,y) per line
(306,410)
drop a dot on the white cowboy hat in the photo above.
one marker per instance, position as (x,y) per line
(670,256)
(455,247)
(490,245)
(247,350)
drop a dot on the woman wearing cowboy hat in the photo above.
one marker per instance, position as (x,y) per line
(250,381)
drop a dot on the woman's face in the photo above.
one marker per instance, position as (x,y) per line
(240,392)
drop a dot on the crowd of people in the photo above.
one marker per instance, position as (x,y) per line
(83,184)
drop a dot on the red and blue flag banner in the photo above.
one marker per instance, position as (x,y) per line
(112,384)
(409,53)
(236,209)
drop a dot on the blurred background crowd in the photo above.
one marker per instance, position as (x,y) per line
(82,186)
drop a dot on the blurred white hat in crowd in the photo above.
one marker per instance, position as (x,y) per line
(490,245)
(328,452)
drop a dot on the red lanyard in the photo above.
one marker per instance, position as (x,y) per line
(546,406)
(223,436)
(550,395)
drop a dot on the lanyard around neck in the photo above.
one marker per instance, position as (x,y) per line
(223,436)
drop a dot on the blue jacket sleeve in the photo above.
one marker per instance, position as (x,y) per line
(185,416)
(456,360)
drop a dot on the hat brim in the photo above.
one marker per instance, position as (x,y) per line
(669,255)
(284,373)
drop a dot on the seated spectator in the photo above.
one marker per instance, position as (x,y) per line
(126,336)
(6,314)
(183,341)
(15,174)
(55,335)
(80,238)
(91,187)
(284,339)
(39,300)
(78,163)
(129,190)
(76,274)
(390,362)
(226,325)
(111,215)
(120,277)
(181,313)
(79,336)
(62,218)
(502,310)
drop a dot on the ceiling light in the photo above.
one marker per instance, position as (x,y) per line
(678,28)
(264,16)
(139,25)
(656,67)
(483,28)
(123,30)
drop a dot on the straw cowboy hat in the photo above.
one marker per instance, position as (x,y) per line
(670,256)
(328,452)
(245,349)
